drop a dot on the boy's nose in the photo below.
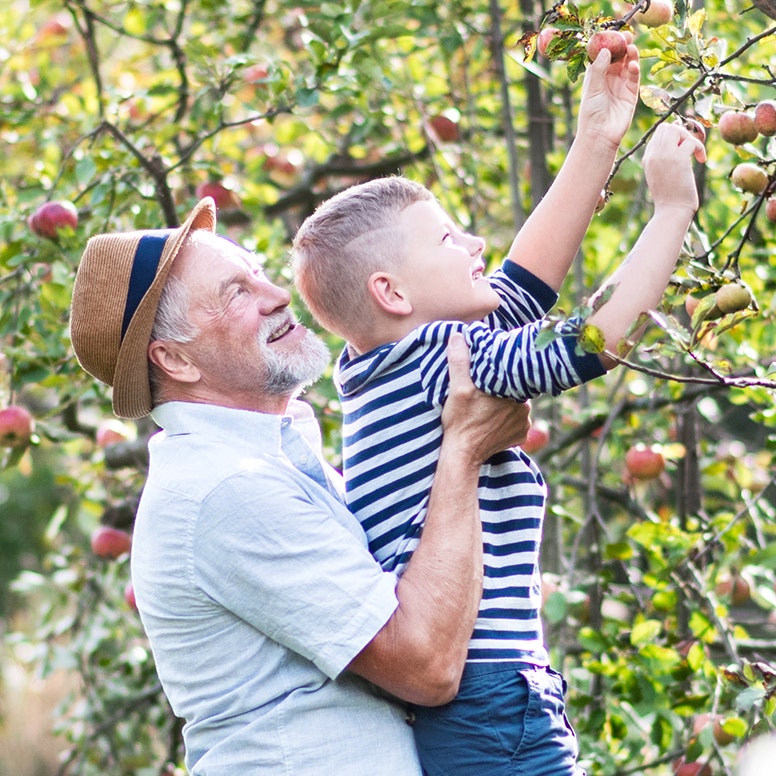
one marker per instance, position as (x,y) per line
(476,244)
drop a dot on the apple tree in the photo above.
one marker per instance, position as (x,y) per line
(658,559)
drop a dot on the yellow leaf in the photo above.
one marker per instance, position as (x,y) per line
(696,21)
(591,339)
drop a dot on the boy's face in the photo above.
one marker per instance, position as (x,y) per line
(444,266)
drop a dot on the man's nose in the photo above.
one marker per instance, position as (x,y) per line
(272,298)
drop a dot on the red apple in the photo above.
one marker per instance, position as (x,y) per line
(444,128)
(658,12)
(256,74)
(737,127)
(681,767)
(223,196)
(613,40)
(770,210)
(129,596)
(721,736)
(765,117)
(748,177)
(51,217)
(110,542)
(110,432)
(544,38)
(694,127)
(284,163)
(538,437)
(735,587)
(691,304)
(58,26)
(16,426)
(644,463)
(732,297)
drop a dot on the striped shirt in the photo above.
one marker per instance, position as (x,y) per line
(392,400)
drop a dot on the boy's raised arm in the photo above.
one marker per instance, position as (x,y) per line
(640,281)
(550,238)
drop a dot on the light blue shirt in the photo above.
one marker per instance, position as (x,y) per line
(256,590)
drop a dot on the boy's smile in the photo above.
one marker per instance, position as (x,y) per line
(443,271)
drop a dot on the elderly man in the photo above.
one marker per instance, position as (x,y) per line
(276,636)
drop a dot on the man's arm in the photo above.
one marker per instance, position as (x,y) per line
(420,652)
(640,281)
(550,238)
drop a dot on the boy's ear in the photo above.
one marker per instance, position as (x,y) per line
(388,293)
(174,361)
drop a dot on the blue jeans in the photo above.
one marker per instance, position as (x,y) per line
(508,719)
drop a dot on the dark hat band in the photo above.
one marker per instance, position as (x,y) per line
(144,265)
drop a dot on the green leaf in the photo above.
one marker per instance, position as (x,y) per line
(546,337)
(592,640)
(85,170)
(619,551)
(645,632)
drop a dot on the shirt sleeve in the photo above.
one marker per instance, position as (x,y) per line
(504,358)
(524,297)
(508,363)
(278,558)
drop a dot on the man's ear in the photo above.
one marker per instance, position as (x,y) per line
(173,361)
(388,293)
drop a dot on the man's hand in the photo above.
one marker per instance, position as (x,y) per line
(481,425)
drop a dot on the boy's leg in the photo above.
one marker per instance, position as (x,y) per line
(508,719)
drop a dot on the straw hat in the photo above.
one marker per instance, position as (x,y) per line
(115,297)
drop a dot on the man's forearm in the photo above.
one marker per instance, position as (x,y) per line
(420,653)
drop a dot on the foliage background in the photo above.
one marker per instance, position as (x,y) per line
(126,107)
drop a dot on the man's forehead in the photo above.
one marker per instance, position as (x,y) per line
(213,258)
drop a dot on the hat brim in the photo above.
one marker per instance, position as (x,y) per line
(131,384)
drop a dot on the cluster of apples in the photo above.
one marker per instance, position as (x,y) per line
(727,299)
(108,541)
(111,543)
(654,13)
(744,126)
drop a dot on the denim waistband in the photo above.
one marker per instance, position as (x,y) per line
(486,668)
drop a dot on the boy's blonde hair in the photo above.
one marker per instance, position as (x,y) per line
(347,239)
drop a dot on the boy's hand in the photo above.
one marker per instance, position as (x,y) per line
(609,95)
(667,166)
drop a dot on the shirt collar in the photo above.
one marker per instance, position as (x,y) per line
(177,417)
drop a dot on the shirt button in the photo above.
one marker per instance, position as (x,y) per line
(410,718)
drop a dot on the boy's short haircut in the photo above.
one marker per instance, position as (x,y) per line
(347,239)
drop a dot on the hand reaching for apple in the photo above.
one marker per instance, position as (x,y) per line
(667,166)
(609,94)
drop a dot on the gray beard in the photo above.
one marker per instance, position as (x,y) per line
(289,372)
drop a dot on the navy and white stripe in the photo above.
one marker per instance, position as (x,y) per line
(392,401)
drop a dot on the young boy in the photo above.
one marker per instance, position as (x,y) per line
(383,266)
